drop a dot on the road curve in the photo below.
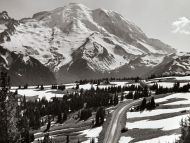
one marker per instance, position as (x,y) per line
(114,128)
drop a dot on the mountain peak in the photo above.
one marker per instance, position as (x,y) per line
(77,5)
(4,15)
(67,12)
(70,6)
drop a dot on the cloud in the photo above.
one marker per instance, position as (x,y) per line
(182,26)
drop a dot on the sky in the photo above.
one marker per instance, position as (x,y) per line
(167,20)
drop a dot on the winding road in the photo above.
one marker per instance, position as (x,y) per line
(114,128)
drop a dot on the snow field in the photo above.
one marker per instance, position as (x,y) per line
(167,84)
(179,78)
(48,93)
(154,112)
(163,124)
(91,133)
(177,95)
(162,139)
(125,139)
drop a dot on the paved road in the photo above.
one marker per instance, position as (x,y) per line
(114,129)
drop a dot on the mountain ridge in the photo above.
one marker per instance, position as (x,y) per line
(103,41)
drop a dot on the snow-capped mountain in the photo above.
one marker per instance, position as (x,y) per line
(174,64)
(75,42)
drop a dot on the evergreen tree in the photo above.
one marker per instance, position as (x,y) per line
(129,95)
(67,139)
(24,102)
(185,131)
(26,86)
(176,87)
(92,140)
(8,115)
(143,104)
(122,97)
(46,139)
(65,116)
(145,92)
(136,95)
(23,126)
(59,118)
(42,87)
(37,122)
(116,99)
(153,104)
(111,100)
(100,115)
(85,114)
(48,125)
(77,86)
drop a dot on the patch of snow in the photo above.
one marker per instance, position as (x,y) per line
(154,112)
(87,86)
(19,74)
(162,139)
(177,95)
(152,60)
(70,85)
(166,84)
(119,83)
(2,27)
(179,78)
(125,139)
(163,111)
(26,59)
(135,84)
(164,124)
(47,93)
(149,48)
(5,59)
(183,78)
(92,133)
